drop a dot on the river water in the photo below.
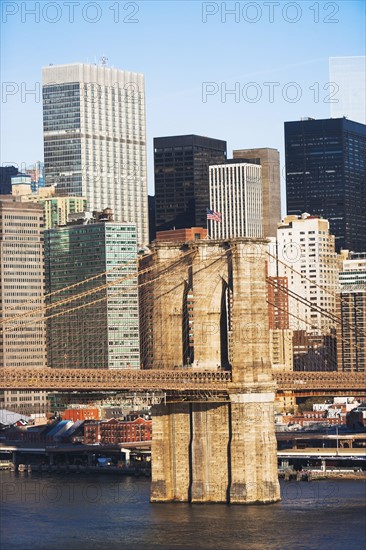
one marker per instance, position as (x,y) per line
(108,512)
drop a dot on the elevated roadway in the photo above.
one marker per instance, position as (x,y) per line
(175,380)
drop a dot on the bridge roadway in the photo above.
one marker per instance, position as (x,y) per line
(309,452)
(177,380)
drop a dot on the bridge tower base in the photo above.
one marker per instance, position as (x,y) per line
(215,452)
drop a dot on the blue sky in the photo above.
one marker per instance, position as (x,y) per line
(180,46)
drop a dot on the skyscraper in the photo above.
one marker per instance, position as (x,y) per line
(347,75)
(95,139)
(101,328)
(22,284)
(236,193)
(6,173)
(269,159)
(308,261)
(326,176)
(182,179)
(351,309)
(22,341)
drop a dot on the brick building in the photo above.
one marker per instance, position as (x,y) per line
(89,413)
(182,235)
(113,431)
(278,303)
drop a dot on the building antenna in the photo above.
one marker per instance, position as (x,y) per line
(103,61)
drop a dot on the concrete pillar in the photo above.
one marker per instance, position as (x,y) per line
(170,453)
(254,476)
(206,452)
(127,453)
(209,452)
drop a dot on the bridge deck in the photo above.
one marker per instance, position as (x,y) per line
(121,379)
(176,380)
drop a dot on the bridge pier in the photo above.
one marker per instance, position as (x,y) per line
(170,449)
(215,452)
(253,462)
(209,452)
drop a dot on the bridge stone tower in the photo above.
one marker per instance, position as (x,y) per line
(211,448)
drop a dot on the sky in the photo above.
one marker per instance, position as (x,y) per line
(273,56)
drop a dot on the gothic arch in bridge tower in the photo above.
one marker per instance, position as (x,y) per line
(187,322)
(210,288)
(168,310)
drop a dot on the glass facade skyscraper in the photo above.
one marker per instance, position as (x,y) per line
(182,179)
(326,176)
(348,77)
(95,139)
(100,329)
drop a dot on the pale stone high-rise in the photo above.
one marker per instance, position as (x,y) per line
(269,159)
(306,254)
(95,139)
(236,193)
(23,333)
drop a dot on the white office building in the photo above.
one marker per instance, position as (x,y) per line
(95,139)
(236,193)
(306,256)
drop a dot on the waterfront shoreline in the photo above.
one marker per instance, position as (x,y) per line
(136,472)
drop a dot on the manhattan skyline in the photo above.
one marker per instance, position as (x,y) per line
(231,76)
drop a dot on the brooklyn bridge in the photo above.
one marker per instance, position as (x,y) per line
(175,382)
(212,361)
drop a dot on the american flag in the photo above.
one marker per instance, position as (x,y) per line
(212,215)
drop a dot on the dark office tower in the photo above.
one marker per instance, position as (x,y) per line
(6,173)
(152,230)
(182,179)
(326,176)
